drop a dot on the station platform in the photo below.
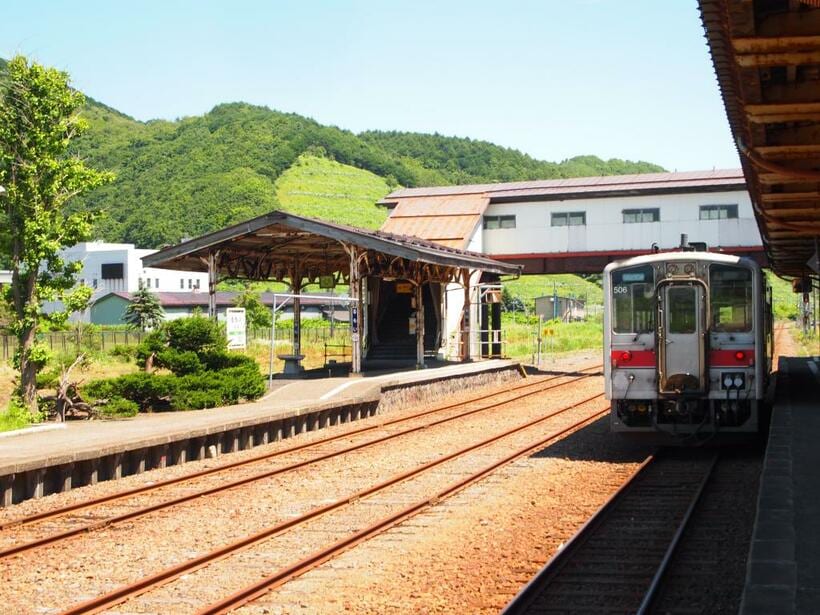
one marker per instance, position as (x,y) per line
(783,571)
(85,452)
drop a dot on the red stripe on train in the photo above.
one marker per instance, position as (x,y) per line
(633,358)
(717,358)
(732,358)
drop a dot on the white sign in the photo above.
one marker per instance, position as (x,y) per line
(235,328)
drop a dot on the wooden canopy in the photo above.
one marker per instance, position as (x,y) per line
(279,245)
(766,55)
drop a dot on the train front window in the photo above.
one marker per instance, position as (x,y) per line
(731,298)
(682,309)
(633,300)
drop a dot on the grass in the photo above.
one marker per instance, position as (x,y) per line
(528,287)
(783,297)
(556,337)
(326,189)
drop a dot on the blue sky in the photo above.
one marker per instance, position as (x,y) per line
(553,78)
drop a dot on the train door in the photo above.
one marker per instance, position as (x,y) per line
(681,327)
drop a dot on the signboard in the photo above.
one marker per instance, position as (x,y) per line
(354,319)
(404,288)
(327,281)
(235,328)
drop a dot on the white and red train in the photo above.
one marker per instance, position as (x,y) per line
(687,343)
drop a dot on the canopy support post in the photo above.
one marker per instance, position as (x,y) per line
(419,325)
(465,277)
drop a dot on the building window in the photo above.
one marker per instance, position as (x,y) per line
(641,215)
(196,285)
(718,212)
(147,282)
(494,222)
(156,281)
(112,271)
(190,283)
(94,284)
(181,284)
(569,218)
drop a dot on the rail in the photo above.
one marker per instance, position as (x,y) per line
(249,593)
(139,512)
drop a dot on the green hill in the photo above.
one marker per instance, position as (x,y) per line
(326,189)
(183,178)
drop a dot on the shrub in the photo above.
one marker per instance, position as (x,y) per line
(119,408)
(149,391)
(154,343)
(49,378)
(123,352)
(196,334)
(180,362)
(222,359)
(197,400)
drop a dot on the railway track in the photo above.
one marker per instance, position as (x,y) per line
(225,475)
(327,552)
(618,559)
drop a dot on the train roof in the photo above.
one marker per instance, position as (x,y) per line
(712,257)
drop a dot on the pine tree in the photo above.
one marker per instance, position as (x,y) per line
(144,312)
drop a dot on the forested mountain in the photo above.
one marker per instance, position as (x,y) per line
(466,161)
(197,174)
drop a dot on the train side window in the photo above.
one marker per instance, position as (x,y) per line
(633,300)
(731,298)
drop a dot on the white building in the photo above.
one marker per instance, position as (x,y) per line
(117,267)
(109,267)
(579,225)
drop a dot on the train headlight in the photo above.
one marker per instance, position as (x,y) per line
(740,355)
(735,381)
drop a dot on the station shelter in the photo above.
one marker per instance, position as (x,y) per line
(409,298)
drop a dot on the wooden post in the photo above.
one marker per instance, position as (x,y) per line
(296,285)
(419,325)
(355,309)
(212,281)
(465,276)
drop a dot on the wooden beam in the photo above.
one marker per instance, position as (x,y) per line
(805,22)
(788,152)
(762,60)
(785,112)
(762,45)
(790,197)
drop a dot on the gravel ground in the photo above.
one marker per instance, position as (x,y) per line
(70,572)
(472,553)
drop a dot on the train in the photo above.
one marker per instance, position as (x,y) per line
(688,344)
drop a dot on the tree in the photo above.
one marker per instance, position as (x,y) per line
(38,120)
(144,312)
(256,314)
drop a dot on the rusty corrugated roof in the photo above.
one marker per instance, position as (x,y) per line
(446,220)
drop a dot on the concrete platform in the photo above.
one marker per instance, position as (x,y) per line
(783,573)
(85,452)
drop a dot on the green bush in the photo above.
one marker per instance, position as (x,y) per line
(119,408)
(202,389)
(222,359)
(197,400)
(197,334)
(124,352)
(180,362)
(48,378)
(154,343)
(149,391)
